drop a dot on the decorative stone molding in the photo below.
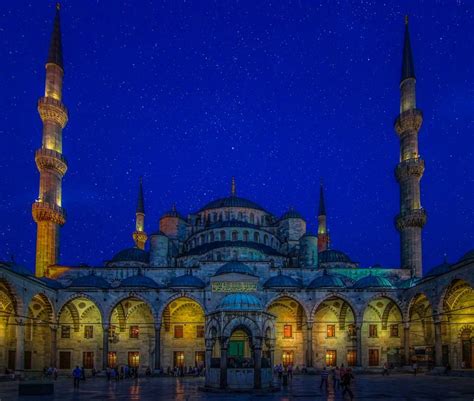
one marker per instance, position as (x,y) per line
(408,121)
(413,218)
(53,110)
(48,159)
(410,168)
(43,211)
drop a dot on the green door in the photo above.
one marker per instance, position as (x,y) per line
(236,348)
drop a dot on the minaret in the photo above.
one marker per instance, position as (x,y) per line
(409,171)
(139,236)
(47,210)
(232,188)
(323,235)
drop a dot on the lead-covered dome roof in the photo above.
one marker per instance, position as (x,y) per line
(373,281)
(234,267)
(131,255)
(240,302)
(139,280)
(282,281)
(292,214)
(333,256)
(186,281)
(327,281)
(232,201)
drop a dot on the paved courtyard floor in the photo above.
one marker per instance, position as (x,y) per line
(366,387)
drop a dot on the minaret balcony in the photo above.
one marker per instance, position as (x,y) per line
(408,121)
(43,211)
(49,159)
(51,109)
(411,218)
(410,168)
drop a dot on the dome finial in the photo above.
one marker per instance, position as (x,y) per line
(232,188)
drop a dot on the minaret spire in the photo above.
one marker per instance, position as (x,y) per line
(412,217)
(47,210)
(232,188)
(139,235)
(323,235)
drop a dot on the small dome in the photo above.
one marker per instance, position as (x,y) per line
(468,256)
(132,255)
(51,283)
(440,269)
(139,280)
(333,256)
(90,280)
(282,281)
(372,281)
(232,201)
(292,214)
(234,267)
(186,281)
(240,302)
(327,281)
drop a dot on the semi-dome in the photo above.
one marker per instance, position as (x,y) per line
(240,302)
(139,280)
(235,267)
(333,256)
(372,281)
(186,281)
(292,214)
(90,280)
(468,256)
(282,281)
(232,201)
(326,281)
(132,255)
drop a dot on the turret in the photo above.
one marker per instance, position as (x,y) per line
(323,235)
(410,169)
(47,210)
(309,251)
(139,236)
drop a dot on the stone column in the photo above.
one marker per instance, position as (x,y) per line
(105,346)
(223,376)
(20,347)
(309,342)
(438,344)
(359,345)
(406,343)
(3,341)
(54,344)
(257,368)
(157,346)
(209,347)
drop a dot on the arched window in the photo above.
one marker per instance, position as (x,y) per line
(227,215)
(256,236)
(252,218)
(214,216)
(222,234)
(220,216)
(211,236)
(240,216)
(246,236)
(235,235)
(265,239)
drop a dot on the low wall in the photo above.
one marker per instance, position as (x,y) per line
(240,378)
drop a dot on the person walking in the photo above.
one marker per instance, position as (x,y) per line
(346,383)
(55,373)
(337,378)
(324,379)
(385,369)
(76,374)
(415,368)
(290,372)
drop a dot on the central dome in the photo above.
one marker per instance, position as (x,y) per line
(240,302)
(232,201)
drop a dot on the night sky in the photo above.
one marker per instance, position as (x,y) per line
(279,94)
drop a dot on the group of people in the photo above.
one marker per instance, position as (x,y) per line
(341,380)
(180,371)
(283,370)
(123,373)
(50,372)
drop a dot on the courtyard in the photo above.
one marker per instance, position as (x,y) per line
(366,387)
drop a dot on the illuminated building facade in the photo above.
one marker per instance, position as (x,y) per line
(232,286)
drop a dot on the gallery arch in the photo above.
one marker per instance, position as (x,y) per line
(182,334)
(8,327)
(334,333)
(381,333)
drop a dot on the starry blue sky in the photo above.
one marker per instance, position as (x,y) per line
(280,94)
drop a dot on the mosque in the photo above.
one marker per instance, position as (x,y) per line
(232,287)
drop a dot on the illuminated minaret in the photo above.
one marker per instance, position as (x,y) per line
(323,235)
(409,171)
(139,236)
(47,210)
(233,191)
